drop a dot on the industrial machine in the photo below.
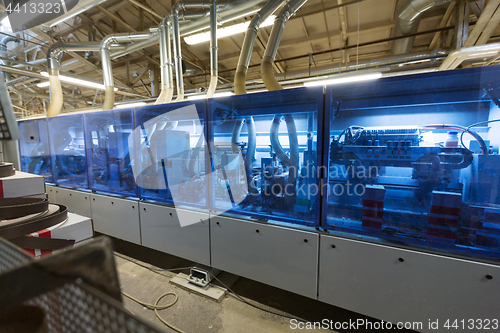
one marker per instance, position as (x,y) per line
(264,150)
(170,164)
(415,162)
(34,148)
(379,197)
(108,152)
(67,148)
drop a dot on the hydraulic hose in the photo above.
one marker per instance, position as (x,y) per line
(292,162)
(236,136)
(252,147)
(250,158)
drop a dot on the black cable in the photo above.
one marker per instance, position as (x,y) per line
(474,125)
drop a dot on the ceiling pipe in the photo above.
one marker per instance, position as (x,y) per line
(456,57)
(266,67)
(200,21)
(174,17)
(132,47)
(53,63)
(214,68)
(407,21)
(362,64)
(4,39)
(247,48)
(167,76)
(107,70)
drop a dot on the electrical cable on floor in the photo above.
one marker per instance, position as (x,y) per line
(155,270)
(157,307)
(232,293)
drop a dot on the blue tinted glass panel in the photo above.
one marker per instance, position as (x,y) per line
(67,147)
(400,169)
(170,145)
(107,140)
(264,155)
(34,148)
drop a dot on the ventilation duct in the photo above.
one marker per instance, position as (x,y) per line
(456,57)
(248,43)
(53,55)
(407,21)
(4,39)
(167,82)
(274,40)
(107,70)
(214,67)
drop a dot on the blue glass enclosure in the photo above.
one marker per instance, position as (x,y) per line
(34,148)
(171,159)
(264,154)
(67,146)
(399,168)
(109,154)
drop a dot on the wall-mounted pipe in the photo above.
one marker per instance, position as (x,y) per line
(247,48)
(109,97)
(407,21)
(266,65)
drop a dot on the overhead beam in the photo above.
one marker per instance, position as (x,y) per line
(115,18)
(146,8)
(120,5)
(447,15)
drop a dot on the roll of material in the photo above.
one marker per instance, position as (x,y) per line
(7,170)
(16,230)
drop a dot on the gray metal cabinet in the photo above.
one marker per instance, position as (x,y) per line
(281,257)
(161,230)
(398,285)
(116,217)
(78,202)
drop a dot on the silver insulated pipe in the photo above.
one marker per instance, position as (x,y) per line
(107,71)
(167,79)
(407,21)
(214,68)
(174,17)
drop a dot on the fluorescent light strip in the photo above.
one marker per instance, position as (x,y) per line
(345,79)
(220,94)
(224,32)
(130,105)
(75,81)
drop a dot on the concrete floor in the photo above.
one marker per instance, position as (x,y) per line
(194,313)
